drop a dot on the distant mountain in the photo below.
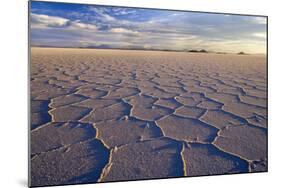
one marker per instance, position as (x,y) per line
(242,53)
(102,46)
(199,51)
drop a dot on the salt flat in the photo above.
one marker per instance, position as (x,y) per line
(108,115)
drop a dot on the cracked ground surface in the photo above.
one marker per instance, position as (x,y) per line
(109,115)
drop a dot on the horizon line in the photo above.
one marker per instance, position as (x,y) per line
(152,49)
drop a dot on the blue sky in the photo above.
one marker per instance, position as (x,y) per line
(76,25)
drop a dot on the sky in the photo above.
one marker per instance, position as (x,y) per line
(81,25)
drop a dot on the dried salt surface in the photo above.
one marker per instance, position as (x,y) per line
(245,110)
(122,93)
(187,101)
(97,103)
(206,159)
(157,158)
(68,113)
(132,130)
(39,106)
(67,100)
(259,166)
(92,93)
(221,119)
(39,119)
(82,162)
(113,112)
(150,114)
(188,129)
(245,141)
(210,105)
(39,113)
(258,120)
(191,112)
(169,103)
(109,115)
(55,135)
(143,108)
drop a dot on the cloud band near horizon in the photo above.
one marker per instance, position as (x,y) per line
(79,25)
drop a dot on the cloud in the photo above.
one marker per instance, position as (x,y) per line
(260,35)
(123,11)
(259,20)
(101,12)
(124,31)
(43,21)
(80,25)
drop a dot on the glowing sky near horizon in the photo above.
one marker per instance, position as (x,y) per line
(80,25)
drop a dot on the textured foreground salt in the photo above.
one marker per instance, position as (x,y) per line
(109,115)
